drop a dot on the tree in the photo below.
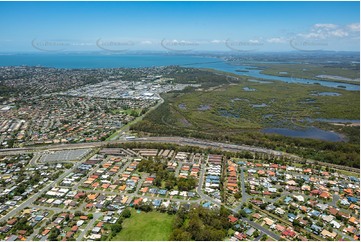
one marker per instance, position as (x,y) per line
(68,165)
(194,225)
(170,183)
(217,235)
(203,224)
(54,217)
(146,207)
(116,228)
(224,212)
(120,220)
(186,184)
(243,213)
(296,223)
(181,235)
(54,233)
(134,113)
(237,195)
(263,206)
(126,213)
(157,181)
(90,216)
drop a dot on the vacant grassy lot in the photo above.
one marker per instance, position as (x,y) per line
(146,226)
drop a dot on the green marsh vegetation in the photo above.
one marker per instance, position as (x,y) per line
(237,111)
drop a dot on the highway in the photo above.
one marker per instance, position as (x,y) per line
(174,140)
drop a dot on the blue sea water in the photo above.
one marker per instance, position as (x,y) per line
(141,60)
(100,61)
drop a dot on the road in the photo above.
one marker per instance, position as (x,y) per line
(200,182)
(89,226)
(263,230)
(97,215)
(140,183)
(259,237)
(126,127)
(334,201)
(55,209)
(244,194)
(35,159)
(37,230)
(236,210)
(177,171)
(175,140)
(33,198)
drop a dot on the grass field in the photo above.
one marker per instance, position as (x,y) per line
(146,226)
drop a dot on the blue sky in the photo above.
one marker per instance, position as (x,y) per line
(179,26)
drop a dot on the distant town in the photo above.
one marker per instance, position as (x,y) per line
(45,114)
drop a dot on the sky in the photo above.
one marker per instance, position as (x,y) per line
(179,26)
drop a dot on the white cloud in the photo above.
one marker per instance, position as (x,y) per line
(82,44)
(175,41)
(354,27)
(326,31)
(311,35)
(217,41)
(339,33)
(325,26)
(254,41)
(146,42)
(277,40)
